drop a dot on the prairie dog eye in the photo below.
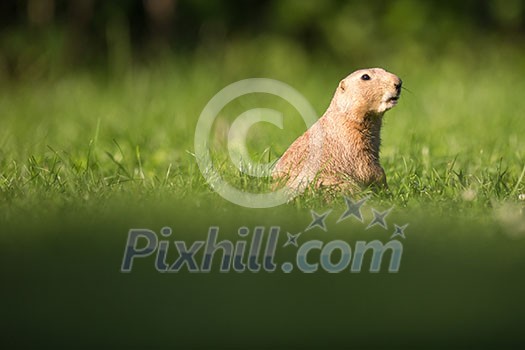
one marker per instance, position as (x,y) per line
(365,77)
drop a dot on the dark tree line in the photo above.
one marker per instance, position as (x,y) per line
(83,31)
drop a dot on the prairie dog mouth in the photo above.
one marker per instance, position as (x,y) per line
(393,99)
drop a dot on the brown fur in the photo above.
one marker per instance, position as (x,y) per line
(350,133)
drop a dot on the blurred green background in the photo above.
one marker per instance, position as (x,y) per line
(47,38)
(98,105)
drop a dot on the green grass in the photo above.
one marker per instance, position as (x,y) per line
(455,140)
(87,157)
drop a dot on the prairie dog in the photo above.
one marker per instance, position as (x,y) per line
(350,134)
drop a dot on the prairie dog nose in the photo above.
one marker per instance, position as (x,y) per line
(398,85)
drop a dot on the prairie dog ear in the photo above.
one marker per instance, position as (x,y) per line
(342,85)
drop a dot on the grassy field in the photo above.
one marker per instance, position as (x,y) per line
(455,139)
(86,157)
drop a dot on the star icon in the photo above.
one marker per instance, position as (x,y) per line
(318,220)
(399,231)
(379,218)
(292,239)
(353,209)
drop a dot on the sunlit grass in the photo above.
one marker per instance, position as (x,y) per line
(454,142)
(85,158)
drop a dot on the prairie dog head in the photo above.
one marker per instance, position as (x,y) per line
(367,91)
